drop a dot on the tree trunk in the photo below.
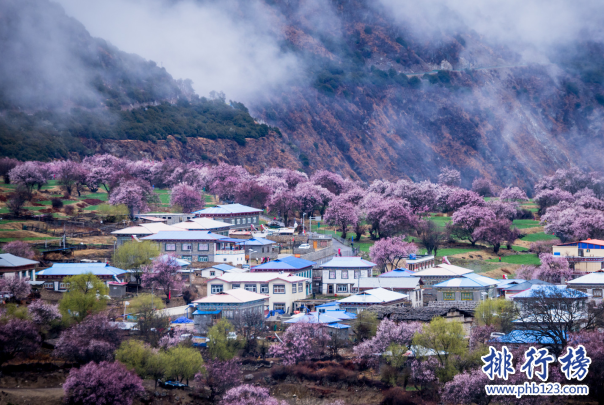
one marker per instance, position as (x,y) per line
(496,247)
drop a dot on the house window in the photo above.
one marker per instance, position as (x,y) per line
(234,286)
(342,288)
(250,287)
(203,259)
(238,221)
(355,290)
(212,273)
(170,247)
(63,286)
(467,296)
(264,288)
(50,285)
(254,219)
(332,274)
(187,258)
(228,314)
(203,247)
(294,289)
(279,289)
(300,287)
(249,220)
(448,296)
(216,288)
(357,273)
(597,293)
(186,246)
(277,306)
(344,273)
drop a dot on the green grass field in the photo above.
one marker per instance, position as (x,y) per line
(449,251)
(518,259)
(97,196)
(534,237)
(440,221)
(519,248)
(525,223)
(2,240)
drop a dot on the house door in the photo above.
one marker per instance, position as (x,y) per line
(330,289)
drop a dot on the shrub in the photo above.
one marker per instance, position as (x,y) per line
(279,373)
(56,203)
(524,214)
(395,396)
(69,210)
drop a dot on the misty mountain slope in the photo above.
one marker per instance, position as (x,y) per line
(63,91)
(364,119)
(369,89)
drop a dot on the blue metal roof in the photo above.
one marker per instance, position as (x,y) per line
(398,273)
(223,267)
(524,337)
(329,305)
(256,242)
(228,209)
(198,312)
(185,235)
(290,263)
(554,290)
(72,269)
(338,326)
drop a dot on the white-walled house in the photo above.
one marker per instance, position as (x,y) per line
(16,266)
(592,283)
(410,286)
(218,270)
(340,274)
(282,289)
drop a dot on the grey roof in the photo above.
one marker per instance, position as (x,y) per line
(72,269)
(228,209)
(9,260)
(423,314)
(347,262)
(375,296)
(389,282)
(185,235)
(526,285)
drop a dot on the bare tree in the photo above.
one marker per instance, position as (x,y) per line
(249,323)
(552,312)
(431,236)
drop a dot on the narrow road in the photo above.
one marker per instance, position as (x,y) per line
(345,250)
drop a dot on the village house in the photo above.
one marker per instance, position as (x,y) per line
(402,272)
(509,291)
(507,283)
(419,262)
(339,275)
(289,264)
(205,224)
(468,288)
(378,296)
(440,273)
(584,256)
(426,314)
(282,289)
(53,276)
(258,248)
(140,231)
(218,270)
(404,285)
(240,216)
(229,304)
(169,218)
(335,321)
(15,266)
(592,284)
(199,246)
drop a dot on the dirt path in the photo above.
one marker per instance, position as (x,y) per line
(26,396)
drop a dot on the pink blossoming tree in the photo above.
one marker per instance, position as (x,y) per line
(283,203)
(186,197)
(17,337)
(249,395)
(17,288)
(219,376)
(136,195)
(163,274)
(467,219)
(495,233)
(483,187)
(449,177)
(312,197)
(512,194)
(391,252)
(19,248)
(6,165)
(329,180)
(100,170)
(461,197)
(102,384)
(70,175)
(301,342)
(27,174)
(341,213)
(553,269)
(94,339)
(43,314)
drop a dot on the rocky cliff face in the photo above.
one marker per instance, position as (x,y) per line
(379,100)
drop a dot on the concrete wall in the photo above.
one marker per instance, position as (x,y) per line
(287,298)
(351,281)
(194,252)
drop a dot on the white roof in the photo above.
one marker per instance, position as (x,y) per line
(238,295)
(146,229)
(175,311)
(259,277)
(202,224)
(375,296)
(591,278)
(10,260)
(443,270)
(348,262)
(388,282)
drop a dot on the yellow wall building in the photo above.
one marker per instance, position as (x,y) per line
(584,256)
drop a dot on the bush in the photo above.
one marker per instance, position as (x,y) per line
(56,203)
(395,396)
(388,374)
(279,373)
(524,214)
(68,210)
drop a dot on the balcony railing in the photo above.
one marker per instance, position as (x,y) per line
(229,252)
